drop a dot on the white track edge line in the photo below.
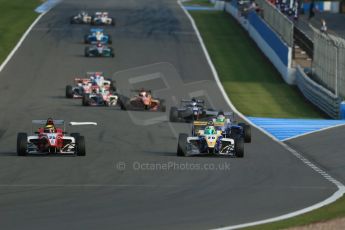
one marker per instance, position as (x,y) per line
(20,42)
(316,131)
(329,200)
(341,188)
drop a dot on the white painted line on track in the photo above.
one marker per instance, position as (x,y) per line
(341,188)
(153,76)
(316,131)
(20,42)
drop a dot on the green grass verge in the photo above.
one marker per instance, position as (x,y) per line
(16,17)
(251,81)
(198,3)
(331,211)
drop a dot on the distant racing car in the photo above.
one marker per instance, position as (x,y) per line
(102,18)
(190,110)
(81,18)
(142,101)
(92,81)
(103,98)
(99,50)
(225,121)
(97,36)
(49,138)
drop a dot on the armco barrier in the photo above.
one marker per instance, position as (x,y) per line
(318,95)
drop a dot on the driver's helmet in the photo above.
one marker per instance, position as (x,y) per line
(210,130)
(220,117)
(99,45)
(142,93)
(98,76)
(50,121)
(194,102)
(49,129)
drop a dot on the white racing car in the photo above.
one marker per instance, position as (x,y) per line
(81,18)
(102,18)
(100,98)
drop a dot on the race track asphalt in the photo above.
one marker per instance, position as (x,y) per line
(325,148)
(155,47)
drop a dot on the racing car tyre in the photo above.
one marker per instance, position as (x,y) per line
(80,144)
(239,147)
(110,40)
(112,85)
(173,115)
(86,41)
(69,91)
(75,135)
(182,145)
(247,132)
(85,100)
(112,52)
(22,144)
(86,52)
(122,102)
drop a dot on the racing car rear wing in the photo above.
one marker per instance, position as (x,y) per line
(94,30)
(101,12)
(200,123)
(189,101)
(43,122)
(204,123)
(78,79)
(90,74)
(141,89)
(215,113)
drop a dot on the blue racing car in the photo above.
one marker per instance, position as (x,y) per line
(97,36)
